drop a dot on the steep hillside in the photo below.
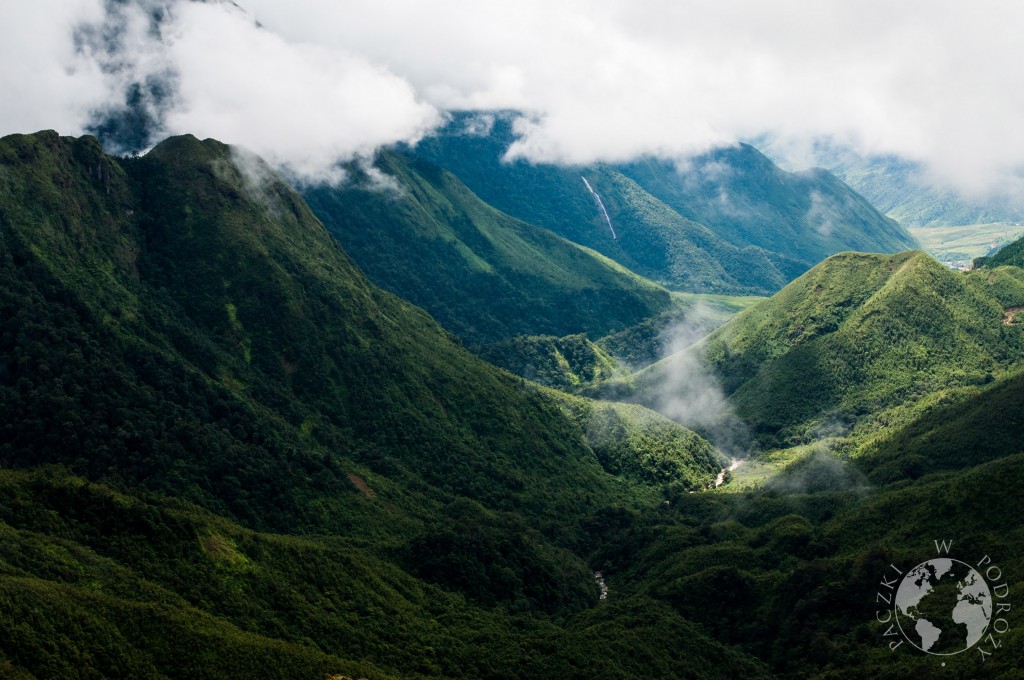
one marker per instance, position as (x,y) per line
(856,343)
(650,237)
(730,222)
(188,359)
(748,200)
(482,274)
(576,363)
(1012,254)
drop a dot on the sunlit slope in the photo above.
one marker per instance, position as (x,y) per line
(856,337)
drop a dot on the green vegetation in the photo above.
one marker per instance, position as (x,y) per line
(857,344)
(565,363)
(958,246)
(640,444)
(574,363)
(730,223)
(482,274)
(224,453)
(748,200)
(1013,254)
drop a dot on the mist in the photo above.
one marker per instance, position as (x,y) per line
(683,387)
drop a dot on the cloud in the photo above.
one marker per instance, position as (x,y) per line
(686,389)
(45,83)
(299,105)
(936,82)
(134,72)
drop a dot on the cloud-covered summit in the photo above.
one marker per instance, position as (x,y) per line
(134,71)
(937,83)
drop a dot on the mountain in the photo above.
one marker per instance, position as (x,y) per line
(1012,254)
(856,344)
(225,452)
(483,275)
(773,227)
(902,190)
(575,363)
(748,200)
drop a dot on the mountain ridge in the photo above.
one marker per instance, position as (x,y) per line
(655,203)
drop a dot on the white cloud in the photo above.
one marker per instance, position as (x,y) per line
(300,105)
(936,81)
(45,84)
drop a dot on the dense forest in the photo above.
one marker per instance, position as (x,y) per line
(226,453)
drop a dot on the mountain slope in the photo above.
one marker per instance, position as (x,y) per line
(188,360)
(231,323)
(1012,254)
(764,235)
(746,199)
(650,238)
(483,275)
(856,342)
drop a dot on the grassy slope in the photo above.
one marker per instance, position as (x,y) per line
(576,363)
(482,274)
(858,341)
(199,342)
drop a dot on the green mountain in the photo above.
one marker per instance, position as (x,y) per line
(1012,254)
(773,227)
(576,363)
(483,275)
(227,453)
(858,343)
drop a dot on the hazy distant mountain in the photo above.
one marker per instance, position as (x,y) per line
(729,222)
(902,190)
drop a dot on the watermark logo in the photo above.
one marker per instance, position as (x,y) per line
(945,606)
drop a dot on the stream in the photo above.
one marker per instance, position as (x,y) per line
(736,462)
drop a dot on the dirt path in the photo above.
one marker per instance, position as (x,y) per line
(1010,315)
(720,479)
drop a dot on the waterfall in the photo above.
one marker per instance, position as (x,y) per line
(600,204)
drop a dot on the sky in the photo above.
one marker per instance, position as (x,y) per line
(306,83)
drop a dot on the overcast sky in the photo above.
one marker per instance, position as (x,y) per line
(939,82)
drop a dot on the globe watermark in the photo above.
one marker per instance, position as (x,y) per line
(944,606)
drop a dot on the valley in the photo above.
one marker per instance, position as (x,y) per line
(958,246)
(227,450)
(522,340)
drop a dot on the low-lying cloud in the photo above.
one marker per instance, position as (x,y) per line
(686,389)
(935,83)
